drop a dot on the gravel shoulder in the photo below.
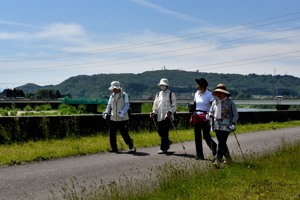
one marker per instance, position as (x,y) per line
(37,179)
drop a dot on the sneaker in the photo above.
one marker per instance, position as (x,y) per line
(132,150)
(162,151)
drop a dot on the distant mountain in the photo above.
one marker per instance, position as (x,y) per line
(30,87)
(181,82)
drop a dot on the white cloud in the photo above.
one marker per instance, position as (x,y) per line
(61,30)
(19,24)
(165,11)
(11,36)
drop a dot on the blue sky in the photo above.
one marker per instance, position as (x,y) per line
(46,42)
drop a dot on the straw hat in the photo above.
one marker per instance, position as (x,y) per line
(221,88)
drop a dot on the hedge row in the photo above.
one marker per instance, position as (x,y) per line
(25,128)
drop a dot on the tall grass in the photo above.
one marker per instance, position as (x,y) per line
(273,176)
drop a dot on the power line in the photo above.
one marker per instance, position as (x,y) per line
(248,59)
(83,65)
(160,42)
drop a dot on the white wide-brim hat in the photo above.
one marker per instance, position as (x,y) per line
(114,85)
(163,81)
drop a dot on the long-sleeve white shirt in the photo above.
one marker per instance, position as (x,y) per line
(162,104)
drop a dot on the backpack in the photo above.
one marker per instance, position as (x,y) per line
(170,96)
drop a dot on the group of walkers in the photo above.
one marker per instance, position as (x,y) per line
(211,111)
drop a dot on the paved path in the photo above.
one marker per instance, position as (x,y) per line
(37,179)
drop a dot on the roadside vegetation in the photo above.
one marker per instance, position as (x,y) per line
(66,109)
(272,176)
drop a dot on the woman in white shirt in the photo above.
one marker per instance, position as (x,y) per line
(164,106)
(200,120)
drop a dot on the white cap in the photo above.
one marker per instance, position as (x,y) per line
(114,85)
(164,81)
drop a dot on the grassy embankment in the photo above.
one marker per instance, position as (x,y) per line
(274,176)
(41,150)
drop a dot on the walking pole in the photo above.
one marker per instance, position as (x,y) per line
(239,145)
(154,123)
(177,134)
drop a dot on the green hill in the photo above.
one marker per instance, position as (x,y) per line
(181,82)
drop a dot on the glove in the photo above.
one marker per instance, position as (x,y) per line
(207,117)
(169,114)
(121,115)
(152,114)
(104,115)
(231,127)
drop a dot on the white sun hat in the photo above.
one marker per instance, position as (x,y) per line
(115,85)
(163,81)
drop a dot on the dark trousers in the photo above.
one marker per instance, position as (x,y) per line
(163,131)
(123,127)
(203,127)
(222,150)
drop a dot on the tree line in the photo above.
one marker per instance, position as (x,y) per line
(181,82)
(43,94)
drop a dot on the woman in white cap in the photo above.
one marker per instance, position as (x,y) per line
(225,115)
(117,107)
(203,99)
(164,107)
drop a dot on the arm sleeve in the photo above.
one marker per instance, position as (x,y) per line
(108,107)
(154,107)
(193,107)
(235,114)
(173,105)
(127,104)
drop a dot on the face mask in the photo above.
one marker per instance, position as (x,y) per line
(163,87)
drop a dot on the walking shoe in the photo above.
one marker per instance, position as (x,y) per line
(162,151)
(132,150)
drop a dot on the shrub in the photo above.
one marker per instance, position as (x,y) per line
(47,107)
(28,108)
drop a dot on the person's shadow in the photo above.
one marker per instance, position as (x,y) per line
(139,153)
(191,156)
(186,155)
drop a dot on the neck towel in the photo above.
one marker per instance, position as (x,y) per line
(218,112)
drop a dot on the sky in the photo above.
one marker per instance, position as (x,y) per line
(46,42)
